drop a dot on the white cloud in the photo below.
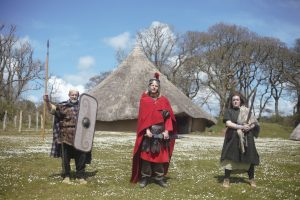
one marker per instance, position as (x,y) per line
(167,35)
(166,28)
(58,88)
(121,41)
(157,23)
(86,62)
(62,87)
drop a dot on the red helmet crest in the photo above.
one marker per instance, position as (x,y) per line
(156,75)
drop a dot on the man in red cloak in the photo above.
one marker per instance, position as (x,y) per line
(151,156)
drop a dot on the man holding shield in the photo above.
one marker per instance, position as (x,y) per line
(66,114)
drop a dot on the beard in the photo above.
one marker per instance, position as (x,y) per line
(74,100)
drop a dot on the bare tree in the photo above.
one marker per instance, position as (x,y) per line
(19,71)
(251,73)
(121,54)
(294,76)
(297,46)
(291,74)
(168,52)
(95,80)
(264,99)
(228,58)
(158,42)
(7,41)
(53,87)
(28,71)
(278,62)
(184,72)
(260,67)
(220,59)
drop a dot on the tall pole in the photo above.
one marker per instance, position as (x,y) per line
(46,90)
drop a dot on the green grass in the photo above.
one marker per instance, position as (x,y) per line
(27,171)
(273,130)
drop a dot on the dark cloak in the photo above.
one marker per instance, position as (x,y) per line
(231,150)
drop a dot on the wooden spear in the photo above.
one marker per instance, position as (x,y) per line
(46,91)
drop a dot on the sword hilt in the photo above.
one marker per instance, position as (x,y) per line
(161,136)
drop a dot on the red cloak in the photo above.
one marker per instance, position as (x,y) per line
(148,116)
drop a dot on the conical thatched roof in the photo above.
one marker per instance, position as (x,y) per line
(119,94)
(295,135)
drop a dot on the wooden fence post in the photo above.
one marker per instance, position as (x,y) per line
(42,122)
(4,120)
(37,121)
(20,122)
(29,121)
(15,121)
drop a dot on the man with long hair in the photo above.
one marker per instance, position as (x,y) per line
(239,152)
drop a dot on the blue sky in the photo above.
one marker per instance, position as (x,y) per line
(84,35)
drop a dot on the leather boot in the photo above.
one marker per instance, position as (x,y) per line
(143,182)
(161,183)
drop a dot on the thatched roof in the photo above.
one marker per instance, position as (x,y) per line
(295,135)
(119,94)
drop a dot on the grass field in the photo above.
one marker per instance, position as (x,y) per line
(27,171)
